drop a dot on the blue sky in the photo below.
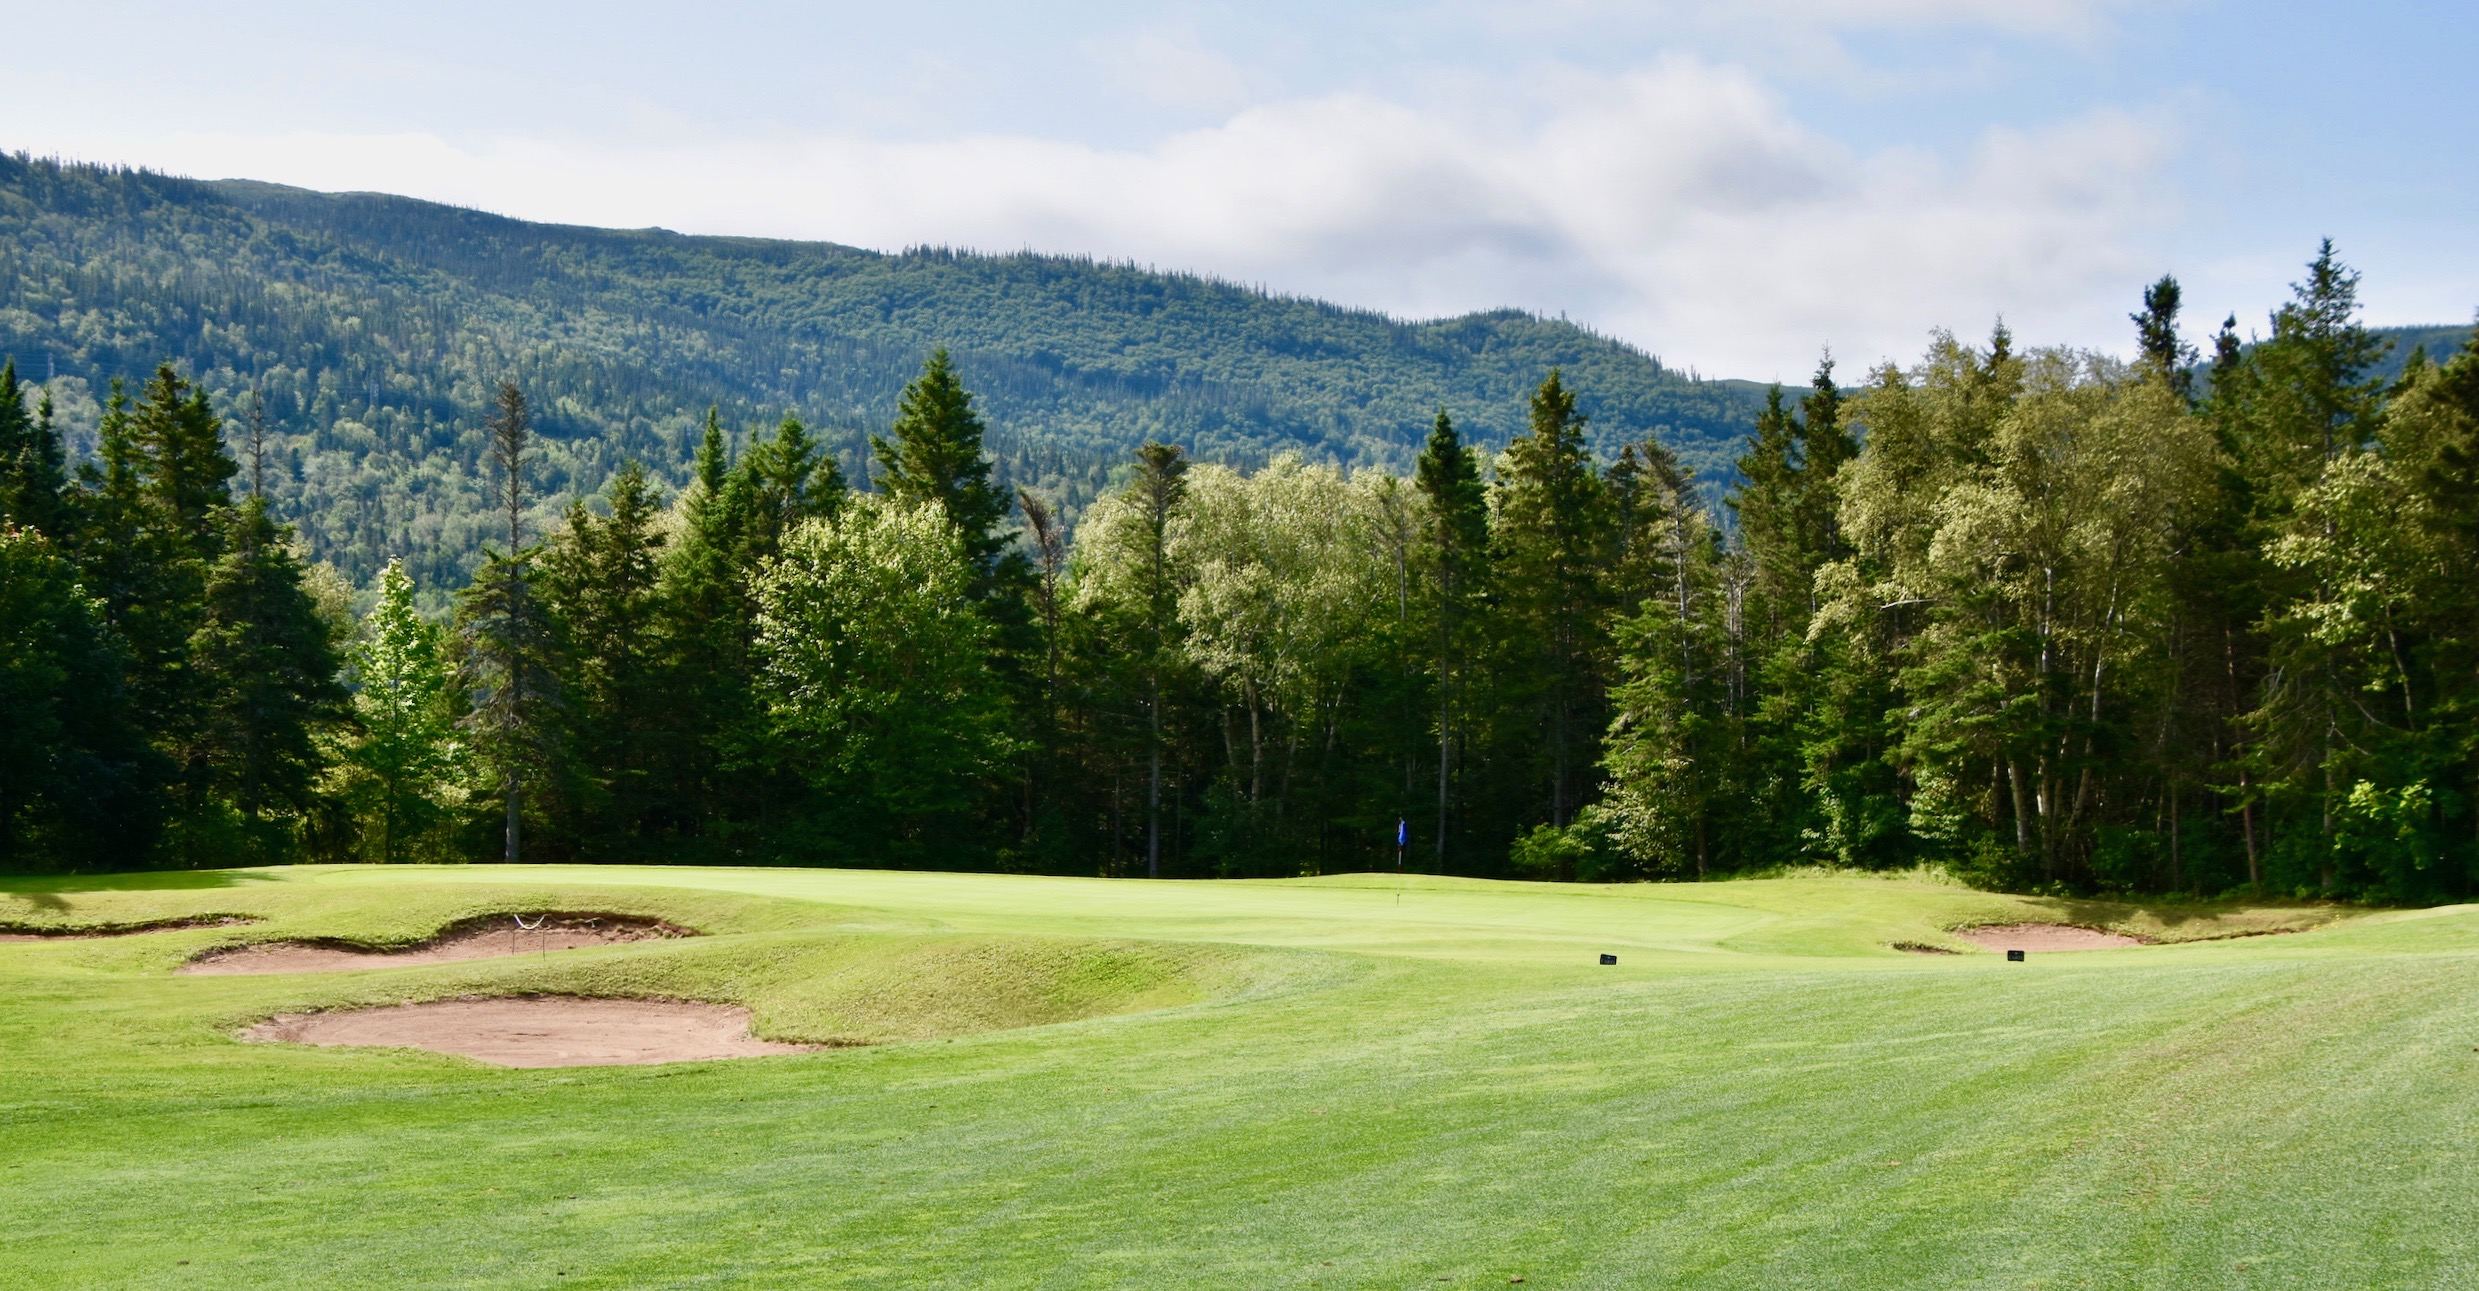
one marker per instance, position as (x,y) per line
(1731,185)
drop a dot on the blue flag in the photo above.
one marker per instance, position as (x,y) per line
(1402,831)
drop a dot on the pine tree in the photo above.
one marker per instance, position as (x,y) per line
(1155,492)
(705,620)
(77,780)
(33,473)
(937,457)
(782,481)
(1553,539)
(2157,343)
(1789,530)
(266,669)
(598,583)
(2303,407)
(402,764)
(1448,475)
(510,664)
(1672,735)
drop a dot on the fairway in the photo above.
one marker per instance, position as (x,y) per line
(1354,1081)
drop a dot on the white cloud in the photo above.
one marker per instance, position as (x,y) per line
(1173,68)
(1679,206)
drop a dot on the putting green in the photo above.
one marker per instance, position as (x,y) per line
(1352,1081)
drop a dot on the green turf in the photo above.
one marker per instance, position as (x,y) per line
(1345,1082)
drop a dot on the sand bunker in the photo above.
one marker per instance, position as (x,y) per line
(537,1031)
(487,938)
(122,929)
(2044,936)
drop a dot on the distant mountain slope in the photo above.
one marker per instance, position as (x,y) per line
(377,326)
(2441,343)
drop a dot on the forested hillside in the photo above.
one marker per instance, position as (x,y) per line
(377,326)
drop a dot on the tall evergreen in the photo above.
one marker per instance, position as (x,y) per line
(781,481)
(1673,743)
(934,454)
(1448,475)
(33,466)
(1553,539)
(598,584)
(78,783)
(510,664)
(2157,343)
(2310,405)
(265,665)
(154,509)
(1154,493)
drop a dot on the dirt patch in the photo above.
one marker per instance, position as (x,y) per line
(1923,948)
(2044,936)
(21,932)
(537,1031)
(487,938)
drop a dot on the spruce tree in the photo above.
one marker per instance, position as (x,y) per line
(2157,343)
(510,664)
(1672,735)
(77,779)
(1553,540)
(1448,475)
(782,481)
(2302,404)
(1154,492)
(936,456)
(705,617)
(598,582)
(33,472)
(266,669)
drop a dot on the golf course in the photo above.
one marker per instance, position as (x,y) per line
(1353,1081)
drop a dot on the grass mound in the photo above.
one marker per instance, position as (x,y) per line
(480,937)
(1353,1081)
(809,973)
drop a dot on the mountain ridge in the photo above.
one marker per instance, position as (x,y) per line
(376,326)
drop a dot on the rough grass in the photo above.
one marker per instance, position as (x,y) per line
(1338,1082)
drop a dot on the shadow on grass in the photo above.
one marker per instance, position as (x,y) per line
(2177,920)
(37,887)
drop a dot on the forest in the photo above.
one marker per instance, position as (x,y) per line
(2052,620)
(374,330)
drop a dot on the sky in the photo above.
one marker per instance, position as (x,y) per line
(1733,185)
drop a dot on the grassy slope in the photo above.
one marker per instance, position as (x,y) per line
(1356,1084)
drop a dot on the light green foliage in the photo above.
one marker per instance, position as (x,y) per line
(1343,1081)
(876,669)
(401,772)
(1289,572)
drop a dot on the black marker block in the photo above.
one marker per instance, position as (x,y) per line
(1609,959)
(2014,957)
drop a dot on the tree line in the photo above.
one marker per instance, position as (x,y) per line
(376,329)
(2050,619)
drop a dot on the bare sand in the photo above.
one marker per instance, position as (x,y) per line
(2044,936)
(537,1031)
(489,938)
